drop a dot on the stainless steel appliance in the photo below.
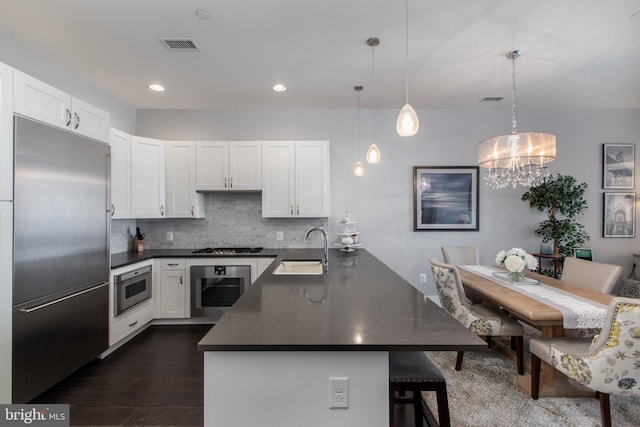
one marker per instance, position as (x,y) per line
(131,288)
(216,288)
(61,255)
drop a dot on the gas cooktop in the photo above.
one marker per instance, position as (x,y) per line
(224,251)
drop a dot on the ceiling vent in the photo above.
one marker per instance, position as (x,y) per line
(492,99)
(180,45)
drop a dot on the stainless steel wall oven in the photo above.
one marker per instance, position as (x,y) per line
(216,288)
(131,288)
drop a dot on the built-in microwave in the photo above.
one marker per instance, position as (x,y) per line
(131,288)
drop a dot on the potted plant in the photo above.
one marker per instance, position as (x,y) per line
(562,199)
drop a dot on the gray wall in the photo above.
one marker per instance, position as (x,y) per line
(382,200)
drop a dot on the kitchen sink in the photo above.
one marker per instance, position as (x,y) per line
(299,267)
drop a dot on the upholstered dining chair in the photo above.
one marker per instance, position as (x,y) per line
(483,320)
(592,275)
(608,364)
(463,255)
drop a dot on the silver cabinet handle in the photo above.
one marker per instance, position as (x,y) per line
(181,282)
(172,264)
(231,182)
(192,211)
(134,323)
(225,182)
(68,117)
(113,209)
(77,117)
(297,209)
(161,210)
(291,210)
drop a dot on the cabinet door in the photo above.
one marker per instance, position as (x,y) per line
(245,165)
(278,179)
(172,304)
(120,174)
(312,178)
(6,133)
(212,165)
(90,121)
(38,100)
(182,200)
(147,178)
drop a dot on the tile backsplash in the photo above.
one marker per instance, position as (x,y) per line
(231,219)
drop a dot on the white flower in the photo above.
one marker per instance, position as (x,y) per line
(514,263)
(516,259)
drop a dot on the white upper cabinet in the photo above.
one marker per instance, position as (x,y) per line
(180,172)
(120,174)
(147,178)
(6,132)
(295,179)
(228,165)
(40,101)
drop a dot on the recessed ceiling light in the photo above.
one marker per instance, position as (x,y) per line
(156,87)
(202,14)
(279,87)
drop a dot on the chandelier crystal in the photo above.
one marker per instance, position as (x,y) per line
(518,157)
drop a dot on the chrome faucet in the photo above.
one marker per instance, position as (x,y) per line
(325,262)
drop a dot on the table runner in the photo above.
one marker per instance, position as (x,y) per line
(577,312)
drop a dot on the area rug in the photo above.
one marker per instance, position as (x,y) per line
(483,394)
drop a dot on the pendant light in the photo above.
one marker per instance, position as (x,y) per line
(358,169)
(407,123)
(373,153)
(518,157)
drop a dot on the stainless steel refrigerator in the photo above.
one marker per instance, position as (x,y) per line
(61,255)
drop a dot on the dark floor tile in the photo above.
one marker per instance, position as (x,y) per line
(92,416)
(183,417)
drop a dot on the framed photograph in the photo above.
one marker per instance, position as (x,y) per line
(619,215)
(445,198)
(618,168)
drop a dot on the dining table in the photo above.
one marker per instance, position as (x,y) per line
(538,312)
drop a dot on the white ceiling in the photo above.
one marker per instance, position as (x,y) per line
(575,53)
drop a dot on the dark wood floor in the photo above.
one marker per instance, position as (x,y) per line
(156,379)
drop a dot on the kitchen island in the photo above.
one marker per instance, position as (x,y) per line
(269,360)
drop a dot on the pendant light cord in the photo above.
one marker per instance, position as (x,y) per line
(406,57)
(373,57)
(514,126)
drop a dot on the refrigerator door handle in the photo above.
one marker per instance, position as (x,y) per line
(41,306)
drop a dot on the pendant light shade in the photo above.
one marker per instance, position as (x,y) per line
(358,169)
(373,155)
(407,123)
(517,157)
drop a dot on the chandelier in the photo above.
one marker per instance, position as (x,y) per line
(518,157)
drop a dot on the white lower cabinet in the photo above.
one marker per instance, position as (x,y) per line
(131,322)
(172,300)
(263,264)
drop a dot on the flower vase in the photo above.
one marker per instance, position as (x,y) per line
(516,276)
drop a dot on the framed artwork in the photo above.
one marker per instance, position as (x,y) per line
(445,198)
(619,215)
(618,166)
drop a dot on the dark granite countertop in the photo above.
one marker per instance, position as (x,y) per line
(123,259)
(358,305)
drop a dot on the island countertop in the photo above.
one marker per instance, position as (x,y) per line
(359,304)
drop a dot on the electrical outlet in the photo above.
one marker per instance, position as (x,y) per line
(423,278)
(338,392)
(279,235)
(170,235)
